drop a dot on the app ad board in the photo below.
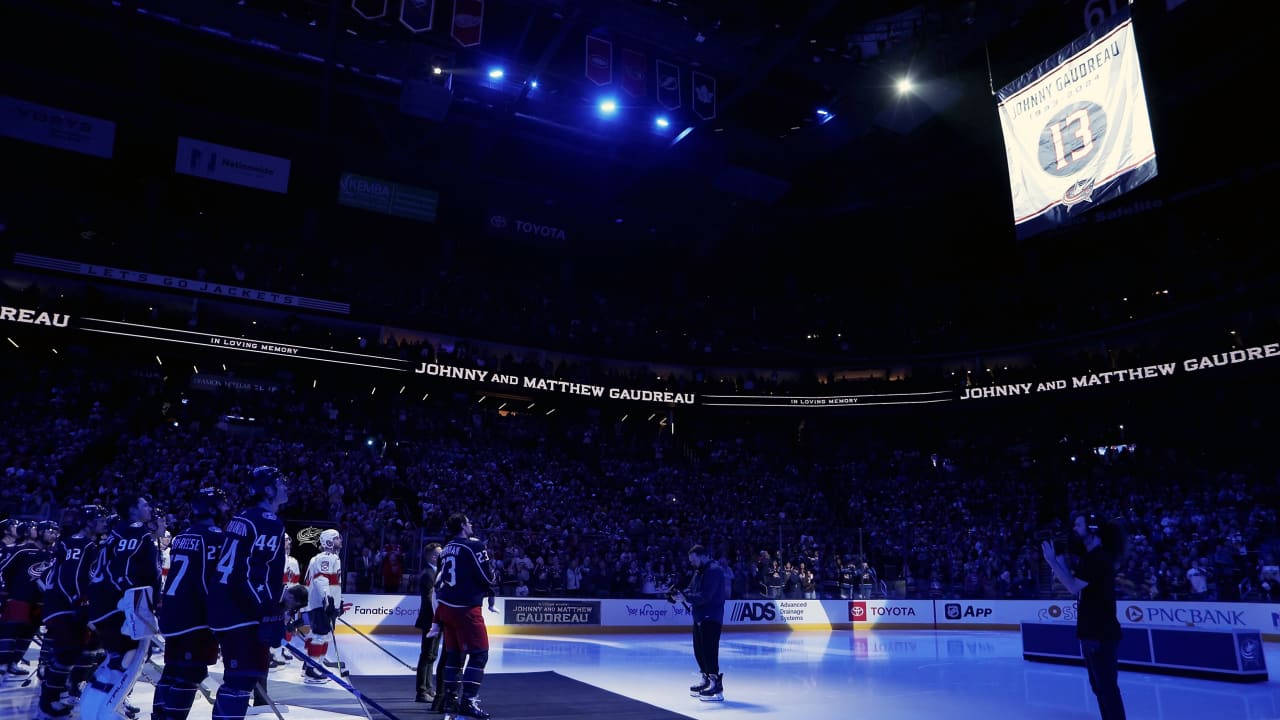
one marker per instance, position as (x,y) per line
(397,613)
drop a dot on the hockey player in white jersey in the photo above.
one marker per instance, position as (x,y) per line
(324,581)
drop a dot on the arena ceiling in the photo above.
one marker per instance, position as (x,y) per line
(804,120)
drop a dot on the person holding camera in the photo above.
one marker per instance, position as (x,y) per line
(705,598)
(1096,625)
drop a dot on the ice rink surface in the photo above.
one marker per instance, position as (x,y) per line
(885,675)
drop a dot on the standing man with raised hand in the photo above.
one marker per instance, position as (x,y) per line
(705,595)
(465,579)
(1096,625)
(245,593)
(190,647)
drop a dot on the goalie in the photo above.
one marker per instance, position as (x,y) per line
(122,589)
(324,584)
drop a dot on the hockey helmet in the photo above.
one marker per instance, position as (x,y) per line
(208,502)
(262,481)
(87,515)
(329,539)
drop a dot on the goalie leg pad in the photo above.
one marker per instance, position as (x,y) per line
(96,691)
(110,683)
(139,617)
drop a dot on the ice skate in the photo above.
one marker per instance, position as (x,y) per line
(695,689)
(55,710)
(312,675)
(713,692)
(450,706)
(469,708)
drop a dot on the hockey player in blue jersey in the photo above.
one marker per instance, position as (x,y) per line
(24,569)
(245,592)
(190,647)
(124,580)
(466,578)
(66,608)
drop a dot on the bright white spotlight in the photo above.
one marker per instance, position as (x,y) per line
(437,70)
(533,84)
(608,106)
(822,112)
(662,121)
(905,86)
(495,73)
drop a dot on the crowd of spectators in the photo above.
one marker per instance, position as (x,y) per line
(566,302)
(583,504)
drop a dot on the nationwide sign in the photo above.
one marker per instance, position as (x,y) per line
(387,197)
(232,165)
(55,127)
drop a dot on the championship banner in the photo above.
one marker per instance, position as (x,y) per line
(599,61)
(417,15)
(468,22)
(232,165)
(704,96)
(44,125)
(635,76)
(1076,129)
(668,88)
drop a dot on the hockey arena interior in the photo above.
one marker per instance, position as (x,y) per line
(643,359)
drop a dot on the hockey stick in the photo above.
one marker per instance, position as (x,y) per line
(30,678)
(262,688)
(334,639)
(377,645)
(341,683)
(35,671)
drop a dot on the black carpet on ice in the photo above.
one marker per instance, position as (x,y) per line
(508,696)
